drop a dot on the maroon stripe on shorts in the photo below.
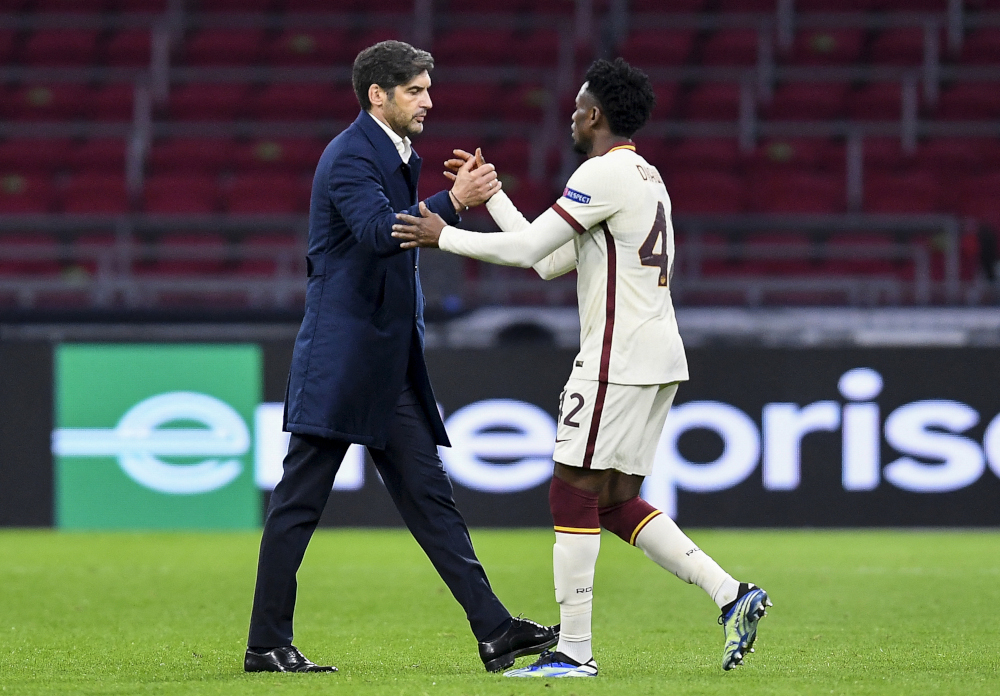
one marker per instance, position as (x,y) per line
(609,330)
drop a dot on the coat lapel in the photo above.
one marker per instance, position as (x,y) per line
(403,186)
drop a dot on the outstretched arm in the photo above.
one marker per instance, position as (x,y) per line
(524,248)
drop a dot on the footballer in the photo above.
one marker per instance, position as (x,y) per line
(612,225)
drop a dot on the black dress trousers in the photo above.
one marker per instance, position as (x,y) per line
(419,487)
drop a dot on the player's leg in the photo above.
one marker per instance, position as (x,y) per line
(293,513)
(573,496)
(637,522)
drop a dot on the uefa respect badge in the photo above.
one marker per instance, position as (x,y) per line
(156,436)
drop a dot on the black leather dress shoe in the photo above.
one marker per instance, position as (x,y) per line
(524,637)
(284,659)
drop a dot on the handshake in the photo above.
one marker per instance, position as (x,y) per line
(474,181)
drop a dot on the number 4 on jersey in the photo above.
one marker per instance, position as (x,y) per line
(646,255)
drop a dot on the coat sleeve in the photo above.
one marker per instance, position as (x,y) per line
(357,193)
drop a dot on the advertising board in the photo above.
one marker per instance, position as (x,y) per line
(155,436)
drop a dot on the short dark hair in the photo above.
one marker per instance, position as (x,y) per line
(387,64)
(624,94)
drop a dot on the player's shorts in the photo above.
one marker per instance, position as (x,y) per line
(611,426)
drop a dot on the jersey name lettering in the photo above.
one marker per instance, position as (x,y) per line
(649,174)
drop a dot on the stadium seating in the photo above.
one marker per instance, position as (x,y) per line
(248,108)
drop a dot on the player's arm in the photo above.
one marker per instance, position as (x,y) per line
(510,219)
(524,248)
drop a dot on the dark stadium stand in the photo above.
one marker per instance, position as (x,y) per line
(832,151)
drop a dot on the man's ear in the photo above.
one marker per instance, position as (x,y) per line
(375,95)
(595,115)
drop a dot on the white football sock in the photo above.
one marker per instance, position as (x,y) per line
(666,545)
(574,557)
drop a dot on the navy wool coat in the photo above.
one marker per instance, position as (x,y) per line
(363,328)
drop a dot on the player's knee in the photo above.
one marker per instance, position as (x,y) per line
(627,519)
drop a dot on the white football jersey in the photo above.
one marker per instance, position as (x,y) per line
(624,260)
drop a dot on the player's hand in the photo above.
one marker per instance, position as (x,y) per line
(423,231)
(452,165)
(474,185)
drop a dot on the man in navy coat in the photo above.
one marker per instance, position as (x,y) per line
(358,373)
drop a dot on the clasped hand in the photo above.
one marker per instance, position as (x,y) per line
(474,183)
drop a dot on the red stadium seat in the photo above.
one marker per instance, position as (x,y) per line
(474,47)
(538,48)
(747,5)
(982,47)
(807,102)
(970,101)
(732,47)
(114,102)
(295,101)
(99,154)
(798,192)
(522,104)
(862,253)
(885,155)
(361,41)
(293,156)
(189,253)
(916,192)
(832,5)
(96,193)
(459,101)
(60,47)
(224,47)
(318,47)
(511,156)
(879,101)
(694,191)
(194,155)
(30,155)
(672,6)
(778,254)
(666,99)
(911,5)
(267,194)
(70,6)
(205,102)
(554,7)
(57,102)
(7,43)
(899,46)
(962,156)
(827,46)
(130,48)
(29,244)
(714,102)
(720,154)
(241,6)
(21,194)
(264,253)
(189,194)
(532,198)
(979,198)
(314,6)
(782,154)
(144,6)
(651,47)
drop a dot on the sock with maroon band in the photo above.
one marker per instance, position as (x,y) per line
(642,525)
(574,555)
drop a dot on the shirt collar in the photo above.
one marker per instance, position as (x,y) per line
(402,144)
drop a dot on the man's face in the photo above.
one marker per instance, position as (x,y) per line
(583,133)
(406,106)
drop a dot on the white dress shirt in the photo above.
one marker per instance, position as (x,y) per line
(402,144)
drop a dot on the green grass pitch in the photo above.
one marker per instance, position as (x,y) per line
(855,613)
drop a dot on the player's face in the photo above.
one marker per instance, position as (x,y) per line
(583,133)
(407,105)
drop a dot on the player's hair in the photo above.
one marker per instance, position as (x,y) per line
(387,64)
(624,94)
